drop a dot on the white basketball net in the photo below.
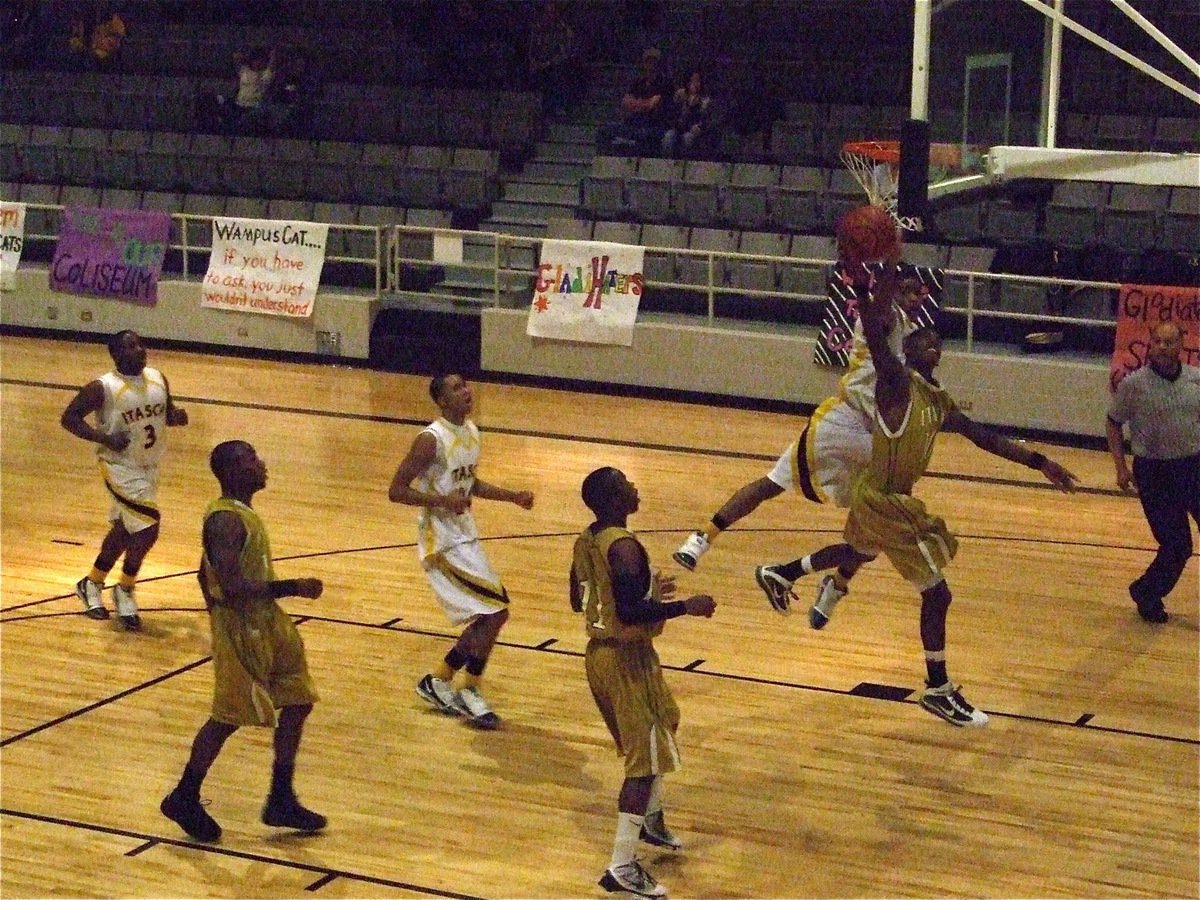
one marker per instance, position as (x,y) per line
(881,183)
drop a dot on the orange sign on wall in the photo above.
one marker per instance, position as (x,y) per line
(1140,309)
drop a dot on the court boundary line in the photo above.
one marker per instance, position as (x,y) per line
(570,438)
(1082,721)
(327,872)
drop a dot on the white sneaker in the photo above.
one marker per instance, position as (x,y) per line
(127,609)
(828,596)
(476,709)
(438,693)
(689,553)
(89,592)
(633,879)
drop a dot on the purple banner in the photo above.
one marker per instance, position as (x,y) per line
(111,253)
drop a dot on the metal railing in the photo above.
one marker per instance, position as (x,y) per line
(503,266)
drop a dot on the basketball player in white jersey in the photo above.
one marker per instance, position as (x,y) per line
(132,410)
(439,476)
(834,445)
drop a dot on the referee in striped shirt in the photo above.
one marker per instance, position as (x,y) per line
(1160,403)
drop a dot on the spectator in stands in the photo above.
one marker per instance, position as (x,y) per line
(97,45)
(552,59)
(647,106)
(256,71)
(694,133)
(292,92)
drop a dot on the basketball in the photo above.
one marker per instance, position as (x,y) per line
(867,234)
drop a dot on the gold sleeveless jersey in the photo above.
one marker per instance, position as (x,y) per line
(595,579)
(899,458)
(255,556)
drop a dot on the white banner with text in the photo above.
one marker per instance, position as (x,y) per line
(587,291)
(12,239)
(263,266)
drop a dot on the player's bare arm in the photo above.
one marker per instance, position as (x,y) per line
(419,457)
(224,536)
(995,443)
(523,499)
(892,385)
(74,418)
(176,415)
(576,595)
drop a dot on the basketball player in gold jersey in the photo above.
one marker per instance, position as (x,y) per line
(260,674)
(132,407)
(911,408)
(623,603)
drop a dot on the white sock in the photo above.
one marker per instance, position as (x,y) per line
(629,828)
(654,804)
(806,565)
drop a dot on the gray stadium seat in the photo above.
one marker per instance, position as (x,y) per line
(758,274)
(618,232)
(566,229)
(1131,219)
(1181,221)
(648,191)
(795,203)
(697,196)
(695,269)
(603,188)
(746,195)
(1071,214)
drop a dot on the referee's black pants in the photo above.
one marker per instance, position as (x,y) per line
(1170,491)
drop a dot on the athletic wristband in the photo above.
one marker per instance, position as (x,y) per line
(1036,461)
(287,587)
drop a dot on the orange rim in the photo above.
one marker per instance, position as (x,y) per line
(880,151)
(949,155)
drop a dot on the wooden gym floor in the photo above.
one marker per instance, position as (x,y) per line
(809,770)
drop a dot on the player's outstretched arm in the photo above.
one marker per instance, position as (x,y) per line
(892,385)
(995,443)
(523,499)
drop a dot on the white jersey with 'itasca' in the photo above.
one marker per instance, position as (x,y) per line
(451,472)
(857,386)
(136,405)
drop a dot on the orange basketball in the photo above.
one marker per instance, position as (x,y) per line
(867,234)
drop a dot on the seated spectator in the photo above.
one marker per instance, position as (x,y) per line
(101,48)
(256,72)
(694,133)
(292,93)
(648,109)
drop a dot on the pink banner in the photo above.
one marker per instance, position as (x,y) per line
(111,253)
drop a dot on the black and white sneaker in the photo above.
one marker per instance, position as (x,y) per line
(777,588)
(633,879)
(655,832)
(90,593)
(475,708)
(947,703)
(127,608)
(439,694)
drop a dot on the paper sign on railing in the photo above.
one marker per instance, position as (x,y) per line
(1143,307)
(264,266)
(587,292)
(12,239)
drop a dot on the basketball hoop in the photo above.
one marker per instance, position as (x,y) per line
(876,166)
